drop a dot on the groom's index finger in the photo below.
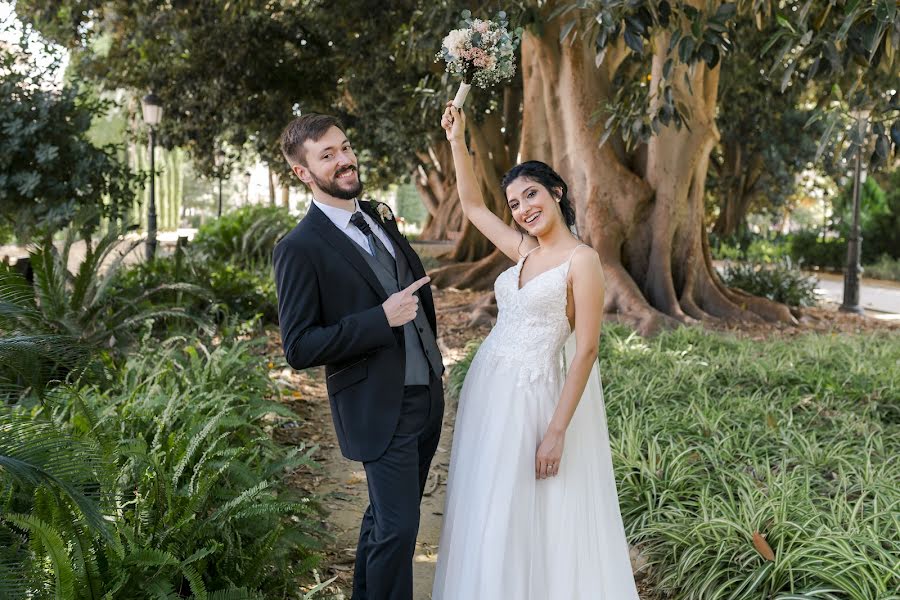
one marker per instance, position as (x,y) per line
(414,287)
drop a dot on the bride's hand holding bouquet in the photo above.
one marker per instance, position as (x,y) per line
(454,123)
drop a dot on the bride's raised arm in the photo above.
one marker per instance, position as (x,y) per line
(511,242)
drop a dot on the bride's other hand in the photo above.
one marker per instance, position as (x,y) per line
(549,454)
(454,123)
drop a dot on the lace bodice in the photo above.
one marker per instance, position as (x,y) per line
(532,325)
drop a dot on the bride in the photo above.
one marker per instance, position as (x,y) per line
(531,510)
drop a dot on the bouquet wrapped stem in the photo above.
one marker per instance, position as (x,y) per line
(462,93)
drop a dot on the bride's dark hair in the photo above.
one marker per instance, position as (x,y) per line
(543,174)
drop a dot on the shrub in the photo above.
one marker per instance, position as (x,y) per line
(51,328)
(245,237)
(750,248)
(176,457)
(879,216)
(808,248)
(230,290)
(779,282)
(881,233)
(885,268)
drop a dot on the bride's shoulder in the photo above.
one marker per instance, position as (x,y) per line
(585,263)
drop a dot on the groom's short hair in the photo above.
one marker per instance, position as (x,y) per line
(308,127)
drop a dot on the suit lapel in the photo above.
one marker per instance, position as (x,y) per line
(344,246)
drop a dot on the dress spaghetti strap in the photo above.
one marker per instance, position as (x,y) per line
(571,256)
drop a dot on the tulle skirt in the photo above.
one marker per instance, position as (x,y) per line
(507,534)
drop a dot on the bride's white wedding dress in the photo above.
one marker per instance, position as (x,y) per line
(507,534)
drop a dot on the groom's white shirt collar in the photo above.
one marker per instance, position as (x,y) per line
(339,216)
(341,219)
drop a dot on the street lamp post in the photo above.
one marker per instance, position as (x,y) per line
(152,109)
(854,244)
(220,165)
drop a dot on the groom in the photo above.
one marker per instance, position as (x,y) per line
(352,296)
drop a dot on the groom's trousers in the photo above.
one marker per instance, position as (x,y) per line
(396,480)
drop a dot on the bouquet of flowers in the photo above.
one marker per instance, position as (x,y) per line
(483,52)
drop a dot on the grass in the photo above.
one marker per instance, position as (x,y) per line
(761,470)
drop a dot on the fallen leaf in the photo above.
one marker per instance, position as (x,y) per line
(763,547)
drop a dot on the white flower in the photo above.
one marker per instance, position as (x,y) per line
(384,211)
(456,41)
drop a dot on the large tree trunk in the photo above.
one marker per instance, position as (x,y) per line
(494,142)
(272,182)
(739,188)
(643,212)
(647,226)
(435,180)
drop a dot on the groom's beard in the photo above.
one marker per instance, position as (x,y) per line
(332,187)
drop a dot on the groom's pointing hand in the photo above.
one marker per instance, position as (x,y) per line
(401,308)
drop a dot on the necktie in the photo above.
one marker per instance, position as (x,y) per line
(375,246)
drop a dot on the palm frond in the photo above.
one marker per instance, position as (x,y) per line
(55,548)
(37,454)
(31,362)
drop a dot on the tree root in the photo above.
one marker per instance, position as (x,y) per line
(478,275)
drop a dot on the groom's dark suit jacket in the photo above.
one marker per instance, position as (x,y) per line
(329,311)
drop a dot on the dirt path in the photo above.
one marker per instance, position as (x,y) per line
(340,485)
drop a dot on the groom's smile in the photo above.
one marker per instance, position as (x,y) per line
(346,174)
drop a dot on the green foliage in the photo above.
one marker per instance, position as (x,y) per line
(229,261)
(50,172)
(229,290)
(245,237)
(50,328)
(176,455)
(879,216)
(850,47)
(7,234)
(458,371)
(242,97)
(809,249)
(409,205)
(781,282)
(748,247)
(885,268)
(765,139)
(714,438)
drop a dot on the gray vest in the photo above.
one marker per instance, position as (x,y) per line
(422,353)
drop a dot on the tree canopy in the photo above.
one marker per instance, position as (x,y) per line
(50,171)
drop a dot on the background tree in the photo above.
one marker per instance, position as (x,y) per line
(393,102)
(764,141)
(50,172)
(231,74)
(653,68)
(621,97)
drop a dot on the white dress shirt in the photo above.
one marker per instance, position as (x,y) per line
(341,220)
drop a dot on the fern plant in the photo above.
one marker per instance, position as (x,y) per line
(177,491)
(50,329)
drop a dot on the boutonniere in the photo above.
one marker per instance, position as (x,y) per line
(384,211)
